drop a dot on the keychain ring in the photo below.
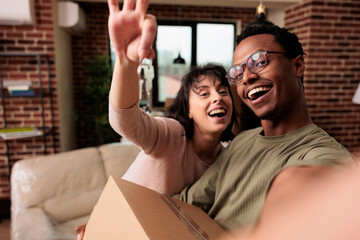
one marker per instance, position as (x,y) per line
(141,61)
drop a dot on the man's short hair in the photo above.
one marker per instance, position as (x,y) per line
(287,40)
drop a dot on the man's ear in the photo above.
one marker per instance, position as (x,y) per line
(300,66)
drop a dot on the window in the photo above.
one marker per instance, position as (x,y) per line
(215,43)
(172,42)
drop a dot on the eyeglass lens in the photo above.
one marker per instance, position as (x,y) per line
(255,63)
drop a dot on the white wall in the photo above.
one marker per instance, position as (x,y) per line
(64,77)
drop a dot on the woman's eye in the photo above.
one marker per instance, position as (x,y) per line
(223,92)
(203,94)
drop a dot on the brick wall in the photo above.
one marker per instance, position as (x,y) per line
(95,40)
(329,31)
(27,111)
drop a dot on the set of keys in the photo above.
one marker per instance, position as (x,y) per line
(146,74)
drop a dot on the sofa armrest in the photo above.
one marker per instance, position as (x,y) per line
(30,224)
(27,223)
(41,178)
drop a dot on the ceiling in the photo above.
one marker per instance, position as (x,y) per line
(274,4)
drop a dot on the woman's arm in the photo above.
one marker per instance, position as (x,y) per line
(124,91)
(132,33)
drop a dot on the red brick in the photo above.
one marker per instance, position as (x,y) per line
(34,35)
(14,34)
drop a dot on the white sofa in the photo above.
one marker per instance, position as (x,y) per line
(51,195)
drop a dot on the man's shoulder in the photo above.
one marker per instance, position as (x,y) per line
(249,133)
(322,138)
(318,147)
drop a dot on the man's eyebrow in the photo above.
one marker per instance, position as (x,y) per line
(260,49)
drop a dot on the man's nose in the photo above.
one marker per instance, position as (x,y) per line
(249,76)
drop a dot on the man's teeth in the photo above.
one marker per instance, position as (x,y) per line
(256,90)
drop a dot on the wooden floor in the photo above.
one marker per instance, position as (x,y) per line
(5,229)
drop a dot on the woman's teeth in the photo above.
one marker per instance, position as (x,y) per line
(217,112)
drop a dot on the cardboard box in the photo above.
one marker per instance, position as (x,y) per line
(128,211)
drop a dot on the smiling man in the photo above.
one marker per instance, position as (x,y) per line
(268,68)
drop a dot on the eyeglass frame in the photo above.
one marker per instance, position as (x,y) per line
(233,81)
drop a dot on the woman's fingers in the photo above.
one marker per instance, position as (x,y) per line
(142,6)
(149,27)
(132,31)
(79,236)
(79,231)
(113,6)
(128,5)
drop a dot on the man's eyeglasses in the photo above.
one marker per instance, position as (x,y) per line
(255,63)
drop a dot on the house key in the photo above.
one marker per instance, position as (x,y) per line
(146,75)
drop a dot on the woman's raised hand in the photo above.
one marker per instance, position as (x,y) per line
(131,30)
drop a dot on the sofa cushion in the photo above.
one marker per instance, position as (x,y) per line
(70,206)
(118,157)
(49,176)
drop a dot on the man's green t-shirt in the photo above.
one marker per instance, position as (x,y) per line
(233,189)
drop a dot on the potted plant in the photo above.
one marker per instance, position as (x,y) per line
(95,92)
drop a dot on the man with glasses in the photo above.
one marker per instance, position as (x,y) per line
(268,68)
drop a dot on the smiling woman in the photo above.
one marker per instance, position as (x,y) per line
(210,105)
(178,148)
